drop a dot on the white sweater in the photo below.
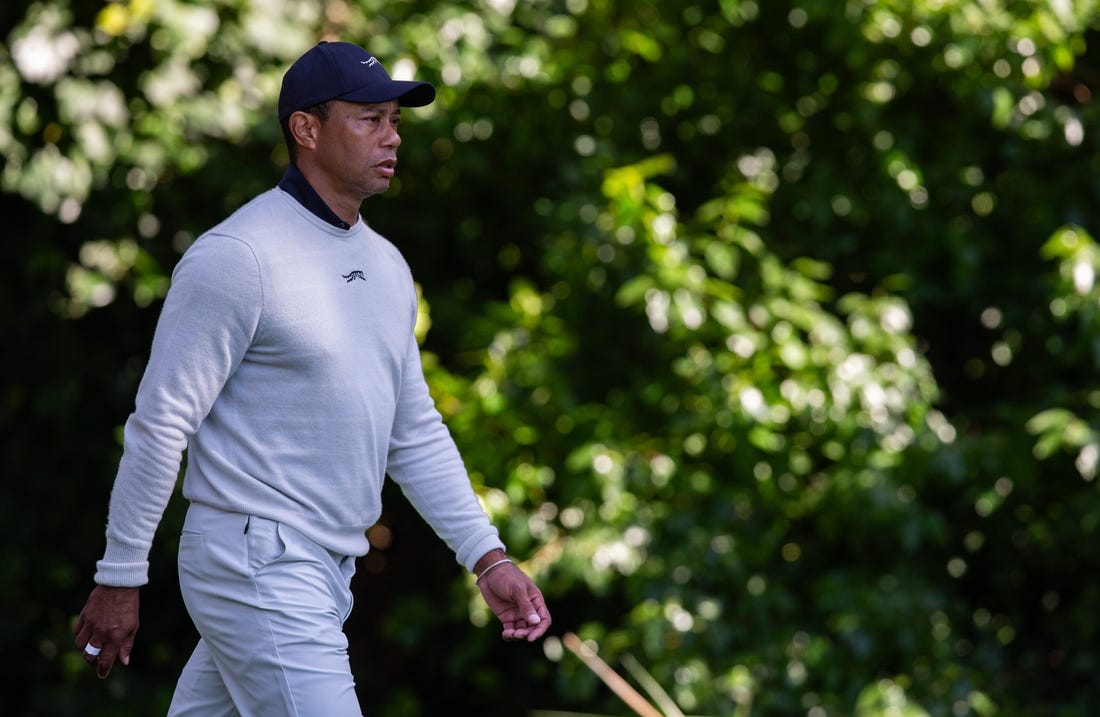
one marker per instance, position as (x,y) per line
(284,361)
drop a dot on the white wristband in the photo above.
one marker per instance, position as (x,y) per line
(486,570)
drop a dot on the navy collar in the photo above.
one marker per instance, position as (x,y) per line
(296,185)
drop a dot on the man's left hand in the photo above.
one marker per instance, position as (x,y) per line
(516,601)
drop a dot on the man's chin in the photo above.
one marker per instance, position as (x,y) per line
(378,187)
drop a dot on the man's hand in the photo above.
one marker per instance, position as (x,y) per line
(106,627)
(513,598)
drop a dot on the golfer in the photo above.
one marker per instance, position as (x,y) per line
(284,363)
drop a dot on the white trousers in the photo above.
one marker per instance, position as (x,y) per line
(269,605)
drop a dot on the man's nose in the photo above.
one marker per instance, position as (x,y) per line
(393,138)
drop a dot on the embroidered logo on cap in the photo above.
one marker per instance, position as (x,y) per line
(369,62)
(353,275)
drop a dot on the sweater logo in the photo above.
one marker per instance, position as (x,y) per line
(353,275)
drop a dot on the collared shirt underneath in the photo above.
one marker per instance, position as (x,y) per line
(296,185)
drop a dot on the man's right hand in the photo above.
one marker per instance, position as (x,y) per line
(106,627)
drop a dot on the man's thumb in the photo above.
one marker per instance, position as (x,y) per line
(528,608)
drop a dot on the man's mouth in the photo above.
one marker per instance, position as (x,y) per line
(386,167)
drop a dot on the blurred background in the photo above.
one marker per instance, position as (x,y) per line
(768,331)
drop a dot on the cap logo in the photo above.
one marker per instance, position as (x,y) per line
(369,62)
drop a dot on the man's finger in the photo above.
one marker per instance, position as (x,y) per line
(90,653)
(537,632)
(82,634)
(106,661)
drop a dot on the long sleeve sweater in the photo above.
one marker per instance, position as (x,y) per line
(284,362)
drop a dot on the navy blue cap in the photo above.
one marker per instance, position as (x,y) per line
(343,71)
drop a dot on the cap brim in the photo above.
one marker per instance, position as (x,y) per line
(408,93)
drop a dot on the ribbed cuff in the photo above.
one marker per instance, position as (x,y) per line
(122,566)
(472,552)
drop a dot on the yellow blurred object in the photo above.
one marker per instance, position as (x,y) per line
(117,17)
(113,19)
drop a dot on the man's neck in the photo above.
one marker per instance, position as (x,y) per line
(296,184)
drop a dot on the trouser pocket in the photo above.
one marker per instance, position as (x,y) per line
(264,542)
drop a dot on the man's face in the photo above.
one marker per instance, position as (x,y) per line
(357,146)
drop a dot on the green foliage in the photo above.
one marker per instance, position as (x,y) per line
(767,330)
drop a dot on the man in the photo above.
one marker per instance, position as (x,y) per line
(284,361)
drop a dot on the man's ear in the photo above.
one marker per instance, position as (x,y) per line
(303,128)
